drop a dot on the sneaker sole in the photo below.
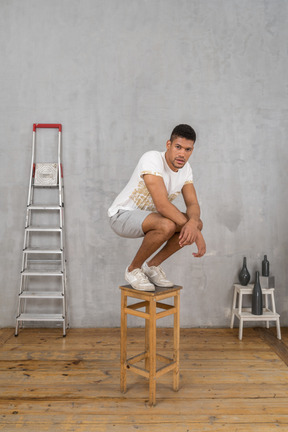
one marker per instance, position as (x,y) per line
(145,290)
(171,285)
(164,286)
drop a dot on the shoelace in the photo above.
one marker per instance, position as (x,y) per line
(161,271)
(141,276)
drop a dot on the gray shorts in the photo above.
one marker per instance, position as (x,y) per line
(128,223)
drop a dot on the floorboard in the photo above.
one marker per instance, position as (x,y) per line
(50,383)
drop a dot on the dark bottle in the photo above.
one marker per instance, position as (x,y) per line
(265,266)
(257,306)
(244,275)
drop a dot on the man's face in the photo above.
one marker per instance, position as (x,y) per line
(178,152)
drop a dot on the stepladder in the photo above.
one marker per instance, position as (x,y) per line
(245,314)
(42,299)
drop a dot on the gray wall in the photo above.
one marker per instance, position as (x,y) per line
(119,75)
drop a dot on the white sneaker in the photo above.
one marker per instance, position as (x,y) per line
(137,279)
(157,276)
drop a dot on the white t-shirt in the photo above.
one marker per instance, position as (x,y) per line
(135,195)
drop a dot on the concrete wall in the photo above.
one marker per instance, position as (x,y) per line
(119,75)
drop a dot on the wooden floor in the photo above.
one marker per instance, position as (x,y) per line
(51,383)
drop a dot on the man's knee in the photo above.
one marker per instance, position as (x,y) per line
(159,223)
(168,227)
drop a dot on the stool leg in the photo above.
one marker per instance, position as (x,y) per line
(273,302)
(240,302)
(278,328)
(233,307)
(241,319)
(266,306)
(274,311)
(147,322)
(176,342)
(152,353)
(123,343)
(241,328)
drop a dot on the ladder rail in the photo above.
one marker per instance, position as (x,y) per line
(31,169)
(60,168)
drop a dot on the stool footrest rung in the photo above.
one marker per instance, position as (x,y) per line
(138,305)
(164,369)
(138,370)
(137,358)
(140,314)
(163,306)
(168,312)
(130,364)
(164,359)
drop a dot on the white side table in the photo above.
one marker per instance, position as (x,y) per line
(245,314)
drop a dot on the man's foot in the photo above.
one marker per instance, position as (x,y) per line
(157,276)
(137,279)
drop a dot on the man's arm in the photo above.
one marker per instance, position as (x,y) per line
(158,192)
(191,231)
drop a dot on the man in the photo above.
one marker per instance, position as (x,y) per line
(144,209)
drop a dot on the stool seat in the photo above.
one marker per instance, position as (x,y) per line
(150,301)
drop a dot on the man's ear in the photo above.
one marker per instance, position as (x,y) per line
(168,144)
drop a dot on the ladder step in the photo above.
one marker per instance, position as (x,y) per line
(40,317)
(44,207)
(44,264)
(42,294)
(42,273)
(42,251)
(43,228)
(46,186)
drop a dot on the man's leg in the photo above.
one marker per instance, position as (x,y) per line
(158,230)
(170,248)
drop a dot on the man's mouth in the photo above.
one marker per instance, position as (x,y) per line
(180,161)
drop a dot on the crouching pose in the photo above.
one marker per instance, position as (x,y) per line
(144,209)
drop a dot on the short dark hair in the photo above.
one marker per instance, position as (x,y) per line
(183,131)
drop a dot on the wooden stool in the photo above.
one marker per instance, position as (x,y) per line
(150,301)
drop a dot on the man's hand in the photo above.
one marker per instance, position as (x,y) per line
(191,234)
(201,246)
(188,233)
